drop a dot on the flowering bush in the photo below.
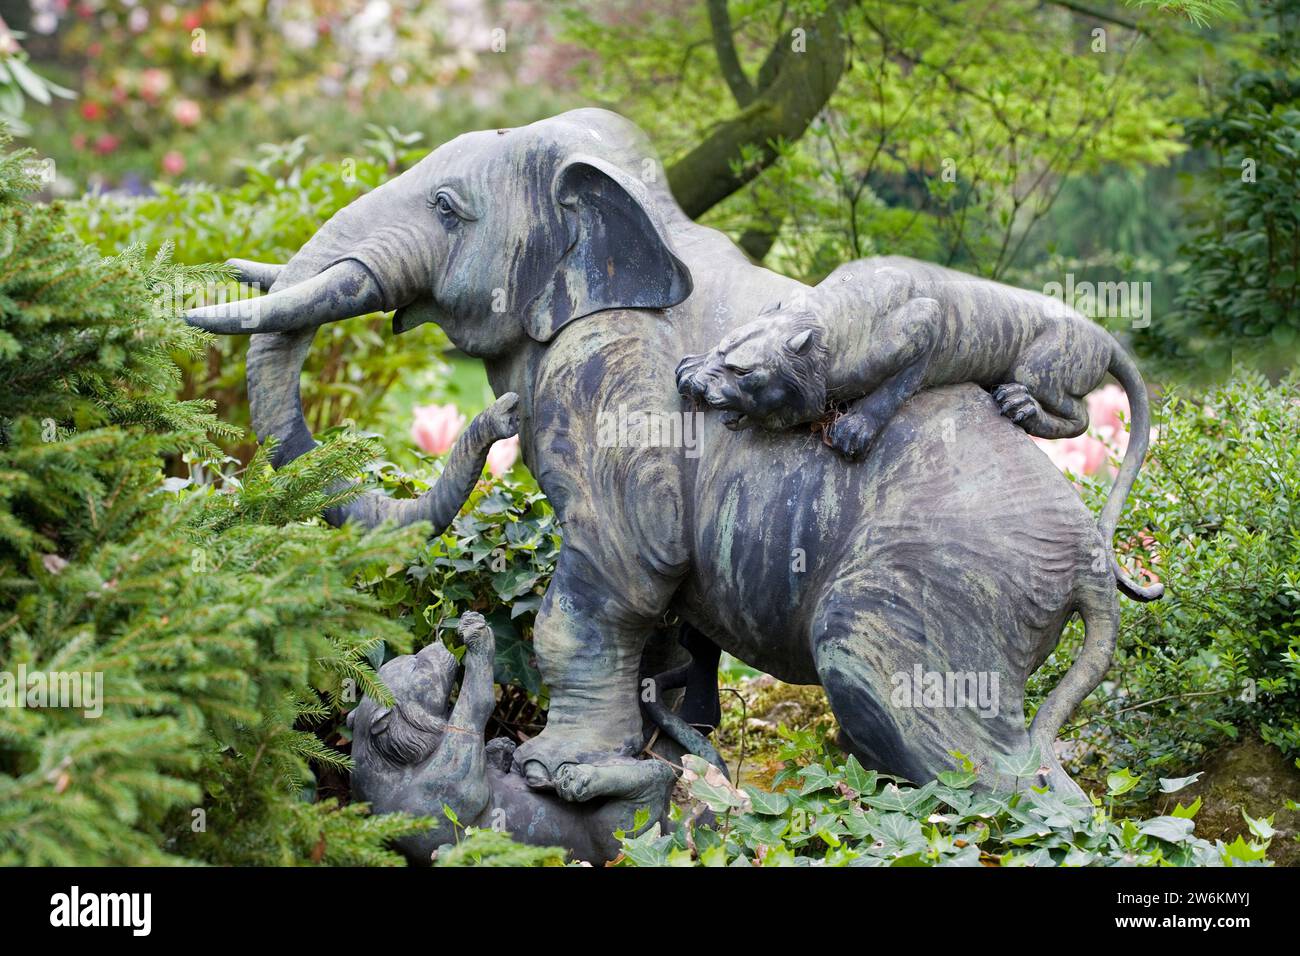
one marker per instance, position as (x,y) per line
(163,83)
(145,60)
(18,82)
(1107,435)
(1217,508)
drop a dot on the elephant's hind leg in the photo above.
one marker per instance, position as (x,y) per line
(858,691)
(908,690)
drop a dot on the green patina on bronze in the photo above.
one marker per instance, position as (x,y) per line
(954,545)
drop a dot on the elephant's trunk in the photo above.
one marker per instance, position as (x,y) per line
(360,261)
(275,365)
(440,503)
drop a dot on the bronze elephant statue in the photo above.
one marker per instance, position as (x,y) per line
(556,254)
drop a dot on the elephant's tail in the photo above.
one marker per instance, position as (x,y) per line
(1100,612)
(1126,373)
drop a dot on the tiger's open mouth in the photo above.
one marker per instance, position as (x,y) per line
(735,420)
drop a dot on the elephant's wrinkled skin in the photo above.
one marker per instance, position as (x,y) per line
(556,254)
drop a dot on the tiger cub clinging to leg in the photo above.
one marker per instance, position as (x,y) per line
(876,331)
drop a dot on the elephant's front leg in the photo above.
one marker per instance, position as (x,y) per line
(588,641)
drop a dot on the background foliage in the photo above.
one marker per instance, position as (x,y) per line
(226,629)
(142,534)
(1217,515)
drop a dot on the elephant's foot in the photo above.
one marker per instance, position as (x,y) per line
(1016,403)
(621,778)
(542,759)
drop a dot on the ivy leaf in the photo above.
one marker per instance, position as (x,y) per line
(897,834)
(958,779)
(1174,784)
(761,831)
(1020,765)
(710,786)
(649,849)
(1038,857)
(1239,849)
(515,664)
(889,798)
(1121,781)
(1169,829)
(860,780)
(525,605)
(815,778)
(959,800)
(771,804)
(1262,828)
(966,856)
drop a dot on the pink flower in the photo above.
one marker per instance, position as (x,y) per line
(105,143)
(1081,455)
(187,112)
(435,427)
(153,83)
(1087,454)
(503,455)
(1108,409)
(173,163)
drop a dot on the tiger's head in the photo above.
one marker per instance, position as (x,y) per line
(770,372)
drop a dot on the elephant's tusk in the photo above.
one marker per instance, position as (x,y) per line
(343,290)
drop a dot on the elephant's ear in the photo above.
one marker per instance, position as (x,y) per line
(617,254)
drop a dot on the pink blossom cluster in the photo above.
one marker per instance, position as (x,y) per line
(435,429)
(1089,453)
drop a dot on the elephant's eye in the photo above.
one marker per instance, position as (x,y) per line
(739,371)
(448,206)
